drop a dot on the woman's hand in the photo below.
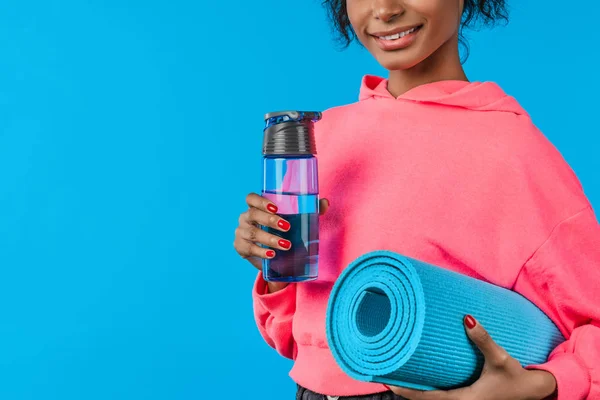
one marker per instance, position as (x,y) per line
(502,378)
(249,235)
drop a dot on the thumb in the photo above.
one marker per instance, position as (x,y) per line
(493,353)
(323,206)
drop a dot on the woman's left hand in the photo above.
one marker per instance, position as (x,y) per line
(502,377)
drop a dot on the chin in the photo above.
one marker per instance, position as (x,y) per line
(397,62)
(399,59)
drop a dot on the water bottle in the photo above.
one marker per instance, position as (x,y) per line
(290,181)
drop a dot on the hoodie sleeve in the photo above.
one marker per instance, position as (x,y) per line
(563,278)
(273,313)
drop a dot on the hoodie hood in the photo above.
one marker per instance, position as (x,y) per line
(478,96)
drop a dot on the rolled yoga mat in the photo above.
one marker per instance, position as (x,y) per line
(399,321)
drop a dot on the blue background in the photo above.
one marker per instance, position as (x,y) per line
(130,133)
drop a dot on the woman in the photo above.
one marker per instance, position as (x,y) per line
(450,172)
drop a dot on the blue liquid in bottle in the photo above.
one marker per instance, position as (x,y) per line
(300,262)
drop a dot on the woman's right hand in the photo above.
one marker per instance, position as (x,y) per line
(248,235)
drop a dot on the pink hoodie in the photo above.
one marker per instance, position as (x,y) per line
(454,174)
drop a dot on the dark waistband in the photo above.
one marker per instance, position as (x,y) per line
(306,394)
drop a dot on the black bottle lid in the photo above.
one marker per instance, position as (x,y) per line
(290,133)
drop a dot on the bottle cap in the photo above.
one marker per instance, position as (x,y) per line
(290,133)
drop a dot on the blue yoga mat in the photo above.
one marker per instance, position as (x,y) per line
(399,321)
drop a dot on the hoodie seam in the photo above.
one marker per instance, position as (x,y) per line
(546,240)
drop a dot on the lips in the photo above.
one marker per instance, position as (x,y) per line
(398,38)
(398,35)
(400,30)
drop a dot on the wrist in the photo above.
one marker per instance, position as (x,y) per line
(545,383)
(273,287)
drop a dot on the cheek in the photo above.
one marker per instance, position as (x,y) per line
(443,15)
(425,8)
(442,18)
(357,14)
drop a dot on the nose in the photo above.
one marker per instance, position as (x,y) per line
(387,10)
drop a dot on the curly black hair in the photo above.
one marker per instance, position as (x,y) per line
(486,12)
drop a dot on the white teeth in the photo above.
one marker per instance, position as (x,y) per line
(398,35)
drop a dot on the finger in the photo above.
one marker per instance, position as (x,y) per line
(257,216)
(412,394)
(245,218)
(323,206)
(248,249)
(494,355)
(262,203)
(256,262)
(255,234)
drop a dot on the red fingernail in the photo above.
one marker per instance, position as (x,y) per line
(283,224)
(270,253)
(388,388)
(272,208)
(470,321)
(285,244)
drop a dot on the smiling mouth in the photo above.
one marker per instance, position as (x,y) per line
(398,35)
